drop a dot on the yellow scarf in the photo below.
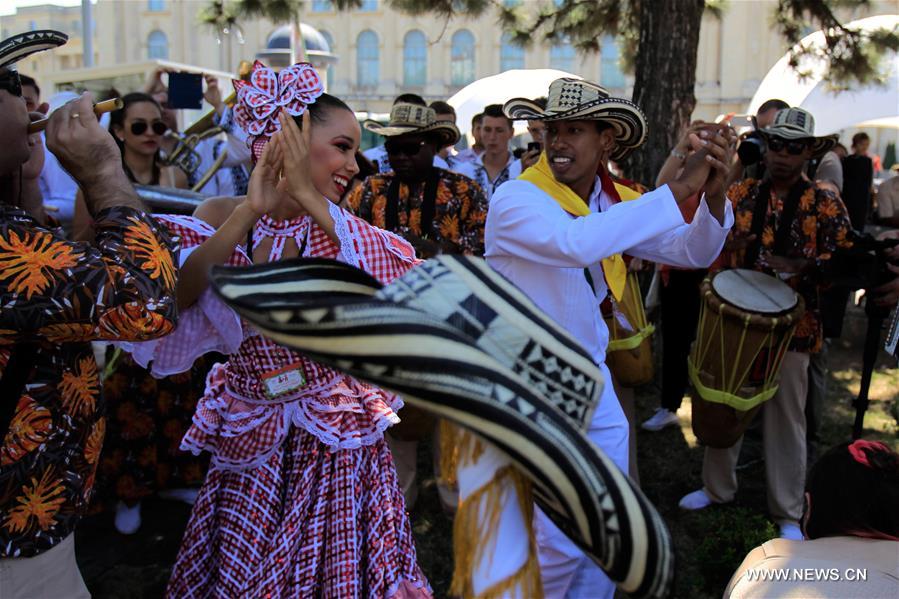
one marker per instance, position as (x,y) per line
(613,267)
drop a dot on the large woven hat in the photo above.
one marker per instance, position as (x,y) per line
(457,339)
(575,99)
(413,118)
(14,49)
(798,123)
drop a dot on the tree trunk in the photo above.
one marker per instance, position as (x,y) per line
(665,74)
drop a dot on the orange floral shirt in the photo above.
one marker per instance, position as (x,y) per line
(460,211)
(59,295)
(820,227)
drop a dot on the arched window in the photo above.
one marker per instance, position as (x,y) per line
(330,41)
(610,74)
(155,5)
(462,58)
(157,45)
(367,59)
(415,59)
(561,56)
(511,56)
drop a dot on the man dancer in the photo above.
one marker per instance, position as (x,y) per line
(55,297)
(557,235)
(496,164)
(799,226)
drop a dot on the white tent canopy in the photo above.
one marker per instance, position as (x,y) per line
(498,89)
(870,105)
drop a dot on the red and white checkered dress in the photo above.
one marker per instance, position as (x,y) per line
(302,497)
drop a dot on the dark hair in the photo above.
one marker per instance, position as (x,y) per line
(441,107)
(476,119)
(849,497)
(30,82)
(859,138)
(496,111)
(117,119)
(772,104)
(366,167)
(410,99)
(541,102)
(322,107)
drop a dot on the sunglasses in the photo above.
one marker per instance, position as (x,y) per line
(410,148)
(11,82)
(140,127)
(794,148)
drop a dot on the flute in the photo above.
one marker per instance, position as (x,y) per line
(99,108)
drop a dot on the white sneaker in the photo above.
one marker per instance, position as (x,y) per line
(660,420)
(127,519)
(188,496)
(696,500)
(790,531)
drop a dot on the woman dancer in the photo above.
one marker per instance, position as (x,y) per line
(301,498)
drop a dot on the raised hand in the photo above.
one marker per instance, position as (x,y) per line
(213,93)
(262,192)
(297,171)
(84,148)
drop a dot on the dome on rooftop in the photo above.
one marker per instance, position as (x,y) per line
(314,41)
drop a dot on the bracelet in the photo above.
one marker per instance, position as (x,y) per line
(678,155)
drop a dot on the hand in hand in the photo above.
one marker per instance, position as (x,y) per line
(32,168)
(297,171)
(721,153)
(683,146)
(84,148)
(262,191)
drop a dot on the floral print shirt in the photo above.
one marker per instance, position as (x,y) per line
(59,295)
(820,227)
(460,212)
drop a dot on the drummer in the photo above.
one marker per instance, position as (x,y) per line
(556,232)
(801,226)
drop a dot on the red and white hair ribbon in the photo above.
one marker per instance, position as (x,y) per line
(261,99)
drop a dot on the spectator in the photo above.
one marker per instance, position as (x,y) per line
(536,129)
(31,93)
(470,154)
(858,181)
(749,163)
(888,200)
(445,112)
(121,288)
(800,228)
(851,522)
(378,155)
(496,164)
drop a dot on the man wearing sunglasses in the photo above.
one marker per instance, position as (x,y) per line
(784,226)
(55,297)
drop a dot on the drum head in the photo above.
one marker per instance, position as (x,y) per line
(754,291)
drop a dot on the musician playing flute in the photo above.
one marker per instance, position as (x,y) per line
(55,297)
(798,227)
(557,232)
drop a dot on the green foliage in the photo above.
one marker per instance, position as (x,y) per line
(728,534)
(851,56)
(889,157)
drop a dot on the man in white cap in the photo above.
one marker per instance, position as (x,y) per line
(55,297)
(557,233)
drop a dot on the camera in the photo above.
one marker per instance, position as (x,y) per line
(751,149)
(535,145)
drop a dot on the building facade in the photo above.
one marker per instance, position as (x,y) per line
(382,53)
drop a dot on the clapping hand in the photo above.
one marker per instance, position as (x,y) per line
(262,192)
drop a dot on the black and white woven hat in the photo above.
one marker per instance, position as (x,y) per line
(455,338)
(14,49)
(799,124)
(575,99)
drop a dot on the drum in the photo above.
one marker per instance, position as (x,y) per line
(746,322)
(629,356)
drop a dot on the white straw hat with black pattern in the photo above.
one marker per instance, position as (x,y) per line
(455,338)
(408,118)
(575,99)
(18,47)
(799,124)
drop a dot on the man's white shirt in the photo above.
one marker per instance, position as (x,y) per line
(476,170)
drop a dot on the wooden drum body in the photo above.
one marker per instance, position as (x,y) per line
(746,323)
(629,356)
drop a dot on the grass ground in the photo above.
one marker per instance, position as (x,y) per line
(710,544)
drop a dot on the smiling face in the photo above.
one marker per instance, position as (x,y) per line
(140,131)
(332,149)
(575,150)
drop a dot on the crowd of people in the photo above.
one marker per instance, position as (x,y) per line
(124,375)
